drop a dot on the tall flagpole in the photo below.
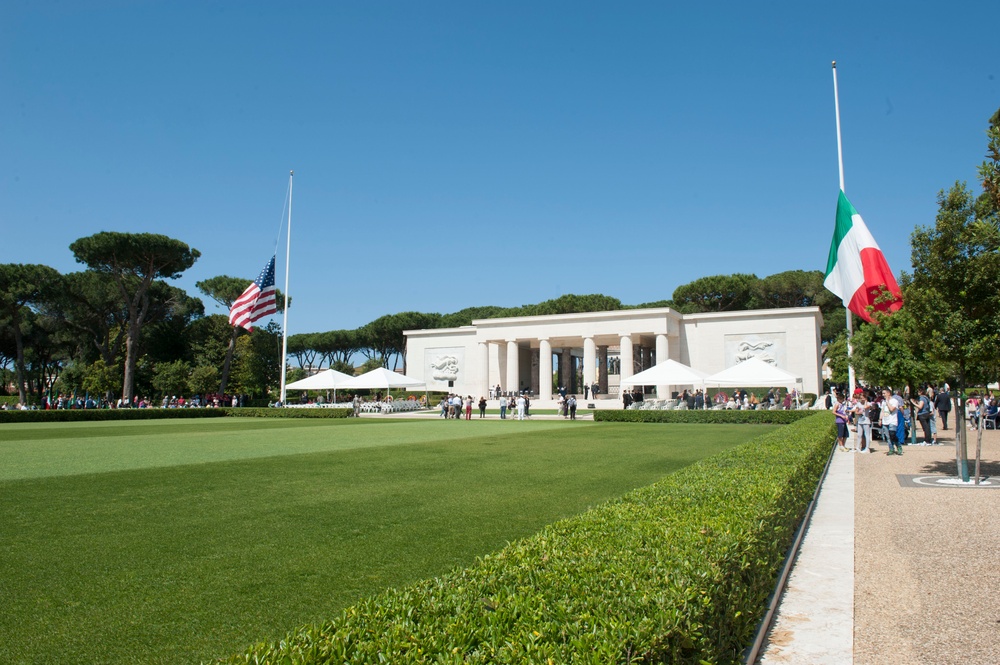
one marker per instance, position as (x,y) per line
(284,324)
(840,161)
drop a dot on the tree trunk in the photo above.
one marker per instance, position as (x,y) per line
(131,353)
(19,358)
(960,436)
(229,360)
(979,447)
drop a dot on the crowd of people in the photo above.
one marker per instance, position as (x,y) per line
(737,400)
(60,402)
(517,404)
(888,415)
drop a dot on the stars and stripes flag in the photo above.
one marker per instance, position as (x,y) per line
(856,270)
(257,301)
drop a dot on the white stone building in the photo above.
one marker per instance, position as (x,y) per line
(604,347)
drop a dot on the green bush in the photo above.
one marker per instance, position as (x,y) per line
(679,571)
(252,412)
(707,416)
(13,400)
(82,415)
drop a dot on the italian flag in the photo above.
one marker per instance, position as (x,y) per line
(856,270)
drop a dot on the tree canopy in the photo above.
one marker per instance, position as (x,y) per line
(133,261)
(22,286)
(717,293)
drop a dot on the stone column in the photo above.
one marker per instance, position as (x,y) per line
(566,368)
(662,353)
(602,369)
(534,371)
(484,369)
(544,369)
(589,361)
(513,366)
(627,368)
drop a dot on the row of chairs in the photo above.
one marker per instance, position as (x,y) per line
(396,406)
(681,405)
(658,405)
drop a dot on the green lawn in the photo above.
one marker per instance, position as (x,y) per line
(174,541)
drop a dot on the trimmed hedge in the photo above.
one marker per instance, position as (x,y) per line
(81,415)
(708,416)
(251,412)
(679,571)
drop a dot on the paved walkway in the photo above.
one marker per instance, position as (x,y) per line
(899,564)
(815,620)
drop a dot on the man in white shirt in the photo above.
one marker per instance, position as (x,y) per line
(890,420)
(520,407)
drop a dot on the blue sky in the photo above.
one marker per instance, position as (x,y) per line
(452,154)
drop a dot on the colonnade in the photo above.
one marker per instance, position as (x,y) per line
(634,357)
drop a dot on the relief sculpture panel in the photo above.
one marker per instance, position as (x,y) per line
(769,347)
(443,365)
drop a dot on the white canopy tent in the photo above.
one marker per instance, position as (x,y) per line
(667,373)
(753,372)
(329,379)
(381,378)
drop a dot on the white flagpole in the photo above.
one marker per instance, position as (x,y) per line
(284,324)
(840,161)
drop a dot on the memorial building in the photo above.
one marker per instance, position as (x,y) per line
(602,348)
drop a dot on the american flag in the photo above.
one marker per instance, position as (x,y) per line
(257,301)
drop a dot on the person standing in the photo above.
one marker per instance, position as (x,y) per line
(943,403)
(503,409)
(923,406)
(933,421)
(864,425)
(520,407)
(626,399)
(482,407)
(841,412)
(889,419)
(572,407)
(468,407)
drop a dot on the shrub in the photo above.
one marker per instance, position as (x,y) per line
(708,416)
(82,415)
(677,572)
(253,412)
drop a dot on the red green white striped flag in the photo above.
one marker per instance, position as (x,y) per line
(856,271)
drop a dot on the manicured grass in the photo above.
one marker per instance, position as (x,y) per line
(175,541)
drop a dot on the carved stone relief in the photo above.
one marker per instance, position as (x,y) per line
(769,347)
(444,365)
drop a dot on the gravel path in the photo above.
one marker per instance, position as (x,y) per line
(927,559)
